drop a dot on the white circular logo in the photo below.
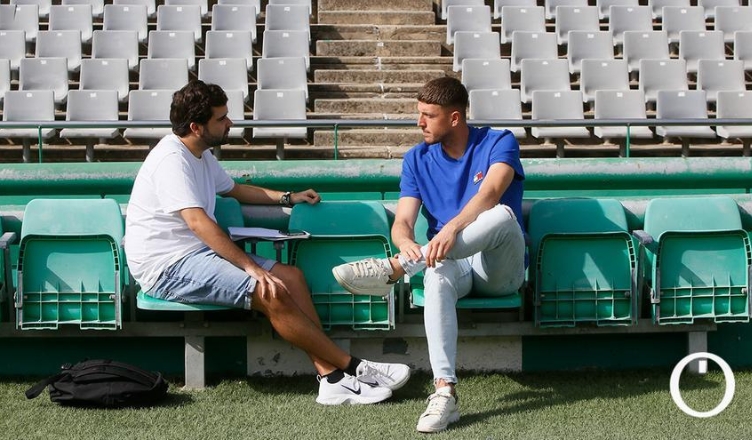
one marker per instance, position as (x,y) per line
(676,393)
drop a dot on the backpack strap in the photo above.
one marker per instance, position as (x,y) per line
(37,389)
(122,370)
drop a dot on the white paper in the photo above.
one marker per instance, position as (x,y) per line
(237,233)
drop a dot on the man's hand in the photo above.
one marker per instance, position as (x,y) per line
(308,196)
(267,285)
(411,251)
(440,245)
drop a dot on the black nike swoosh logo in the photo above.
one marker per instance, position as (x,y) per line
(373,384)
(352,390)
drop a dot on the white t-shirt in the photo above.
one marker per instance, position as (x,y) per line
(170,179)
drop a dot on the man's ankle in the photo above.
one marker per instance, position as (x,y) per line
(441,383)
(397,270)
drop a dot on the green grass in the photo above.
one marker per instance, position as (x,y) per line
(578,405)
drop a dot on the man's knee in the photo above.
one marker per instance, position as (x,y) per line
(288,274)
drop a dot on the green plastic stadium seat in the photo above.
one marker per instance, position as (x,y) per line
(227,212)
(6,277)
(695,260)
(342,232)
(417,295)
(583,263)
(70,268)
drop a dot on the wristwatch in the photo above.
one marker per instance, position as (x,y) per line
(286,199)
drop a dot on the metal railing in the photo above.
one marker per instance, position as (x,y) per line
(337,124)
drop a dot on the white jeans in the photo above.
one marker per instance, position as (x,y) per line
(487,258)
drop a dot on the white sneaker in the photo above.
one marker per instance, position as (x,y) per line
(391,376)
(365,277)
(350,391)
(442,410)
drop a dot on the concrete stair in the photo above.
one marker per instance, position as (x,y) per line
(371,59)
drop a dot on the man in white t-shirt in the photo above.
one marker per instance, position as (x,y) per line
(177,252)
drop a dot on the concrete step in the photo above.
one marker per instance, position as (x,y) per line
(366,105)
(378,32)
(375,5)
(393,48)
(362,76)
(385,63)
(378,17)
(393,137)
(345,91)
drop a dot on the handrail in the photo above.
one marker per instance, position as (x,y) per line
(336,124)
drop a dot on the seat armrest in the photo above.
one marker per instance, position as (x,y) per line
(6,239)
(643,237)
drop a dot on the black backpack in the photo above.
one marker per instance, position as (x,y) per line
(102,383)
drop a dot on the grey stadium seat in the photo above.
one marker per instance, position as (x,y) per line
(677,19)
(603,75)
(548,75)
(467,18)
(629,18)
(658,5)
(4,76)
(45,74)
(588,45)
(230,44)
(486,104)
(735,105)
(575,18)
(445,4)
(743,48)
(91,105)
(730,19)
(19,106)
(97,6)
(13,47)
(521,18)
(279,104)
(700,45)
(475,45)
(714,76)
(163,74)
(479,74)
(658,75)
(282,73)
(172,44)
(284,44)
(230,73)
(116,44)
(710,5)
(65,44)
(126,18)
(682,104)
(72,18)
(644,45)
(180,18)
(20,18)
(287,18)
(535,45)
(203,5)
(105,74)
(620,104)
(148,105)
(565,104)
(234,18)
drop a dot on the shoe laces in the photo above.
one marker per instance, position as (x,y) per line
(437,403)
(369,370)
(369,268)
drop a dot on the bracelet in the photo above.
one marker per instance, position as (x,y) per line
(286,199)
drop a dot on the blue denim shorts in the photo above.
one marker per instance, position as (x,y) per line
(203,277)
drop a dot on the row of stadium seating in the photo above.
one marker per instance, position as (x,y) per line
(691,259)
(648,61)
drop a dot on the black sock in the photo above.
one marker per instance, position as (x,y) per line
(352,367)
(335,376)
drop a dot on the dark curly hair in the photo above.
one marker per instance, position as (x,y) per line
(193,103)
(445,92)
